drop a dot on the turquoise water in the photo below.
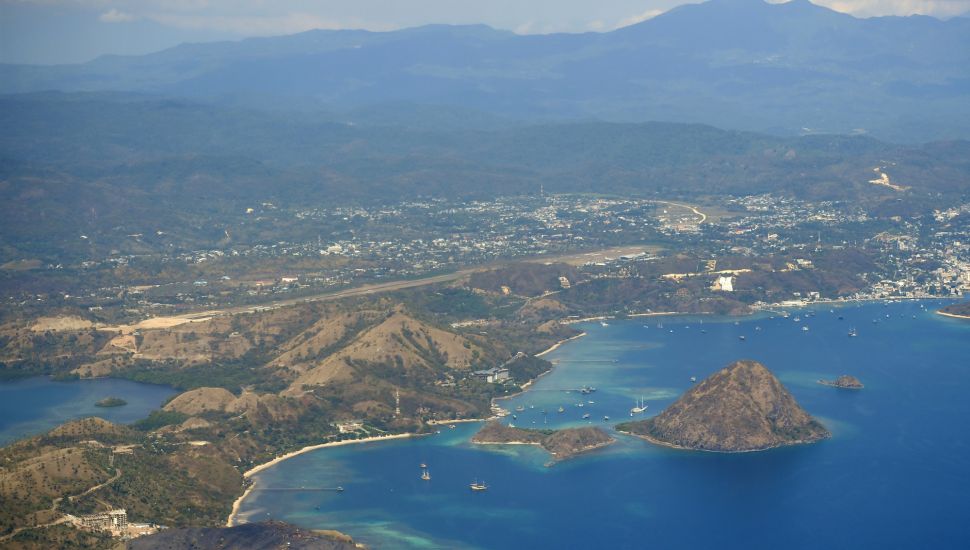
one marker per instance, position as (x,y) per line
(896,473)
(35,405)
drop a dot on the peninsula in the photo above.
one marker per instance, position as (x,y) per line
(561,444)
(740,408)
(845,381)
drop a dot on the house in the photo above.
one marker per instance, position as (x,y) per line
(493,375)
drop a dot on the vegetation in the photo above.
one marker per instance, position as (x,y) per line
(111,402)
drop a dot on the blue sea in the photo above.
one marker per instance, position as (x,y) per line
(895,474)
(35,405)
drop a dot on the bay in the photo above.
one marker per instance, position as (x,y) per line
(35,405)
(895,474)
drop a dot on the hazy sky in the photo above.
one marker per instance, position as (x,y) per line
(70,31)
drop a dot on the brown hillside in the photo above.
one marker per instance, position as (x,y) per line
(400,342)
(742,407)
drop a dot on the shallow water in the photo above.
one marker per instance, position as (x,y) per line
(896,473)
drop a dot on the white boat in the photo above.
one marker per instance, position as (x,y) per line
(639,407)
(604,324)
(693,379)
(585,416)
(426,475)
(476,486)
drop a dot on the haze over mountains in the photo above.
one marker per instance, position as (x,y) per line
(739,64)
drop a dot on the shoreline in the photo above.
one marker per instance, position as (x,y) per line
(552,349)
(661,443)
(260,467)
(953,315)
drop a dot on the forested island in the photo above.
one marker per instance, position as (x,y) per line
(111,402)
(561,444)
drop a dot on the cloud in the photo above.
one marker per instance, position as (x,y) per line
(245,25)
(115,16)
(872,8)
(638,18)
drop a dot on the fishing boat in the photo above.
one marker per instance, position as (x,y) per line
(476,486)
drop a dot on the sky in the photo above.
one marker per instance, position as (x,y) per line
(74,31)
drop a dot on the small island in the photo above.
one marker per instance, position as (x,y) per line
(111,402)
(959,311)
(845,381)
(561,444)
(740,408)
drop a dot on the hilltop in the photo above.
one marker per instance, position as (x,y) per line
(742,407)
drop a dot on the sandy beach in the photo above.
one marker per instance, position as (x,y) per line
(555,347)
(953,315)
(256,469)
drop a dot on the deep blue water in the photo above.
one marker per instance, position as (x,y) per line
(896,473)
(35,405)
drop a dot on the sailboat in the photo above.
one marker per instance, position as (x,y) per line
(426,475)
(639,408)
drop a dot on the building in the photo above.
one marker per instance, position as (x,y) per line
(112,521)
(493,375)
(725,284)
(349,426)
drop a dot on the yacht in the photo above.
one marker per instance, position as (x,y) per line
(639,407)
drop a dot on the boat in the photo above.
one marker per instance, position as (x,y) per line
(451,426)
(339,489)
(797,319)
(606,418)
(804,329)
(639,407)
(476,486)
(604,324)
(520,408)
(562,410)
(426,475)
(693,379)
(585,416)
(853,333)
(423,465)
(741,338)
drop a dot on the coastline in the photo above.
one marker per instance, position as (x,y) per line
(552,349)
(260,467)
(953,315)
(661,443)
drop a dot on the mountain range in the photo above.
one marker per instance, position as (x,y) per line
(741,64)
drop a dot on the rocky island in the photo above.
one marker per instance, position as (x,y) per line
(742,407)
(111,402)
(561,444)
(845,381)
